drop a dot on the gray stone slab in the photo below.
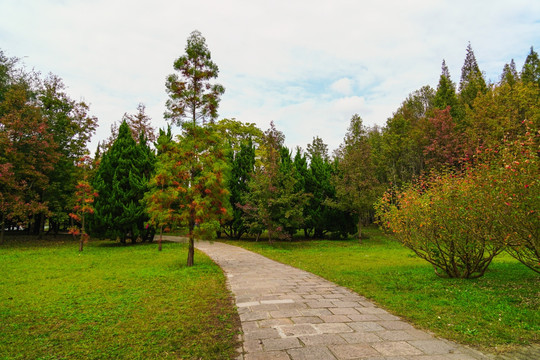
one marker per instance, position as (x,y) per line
(361,337)
(296,330)
(311,353)
(268,333)
(396,348)
(435,346)
(323,339)
(343,311)
(352,351)
(269,355)
(366,326)
(395,325)
(335,318)
(307,320)
(332,328)
(281,344)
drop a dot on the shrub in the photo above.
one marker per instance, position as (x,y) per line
(510,184)
(442,219)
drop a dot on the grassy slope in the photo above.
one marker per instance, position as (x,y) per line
(112,301)
(497,311)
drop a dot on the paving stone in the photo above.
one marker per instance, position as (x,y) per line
(277,301)
(246,304)
(419,335)
(352,351)
(311,353)
(396,335)
(343,311)
(395,325)
(363,317)
(269,355)
(296,330)
(281,344)
(315,304)
(335,318)
(279,314)
(366,326)
(434,346)
(249,325)
(360,337)
(332,328)
(306,320)
(323,339)
(371,310)
(270,323)
(388,317)
(267,333)
(396,348)
(252,345)
(334,296)
(345,304)
(315,312)
(254,315)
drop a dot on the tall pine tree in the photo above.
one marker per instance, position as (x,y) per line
(472,82)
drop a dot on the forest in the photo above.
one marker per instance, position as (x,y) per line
(453,173)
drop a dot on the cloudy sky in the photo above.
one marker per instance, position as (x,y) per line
(308,65)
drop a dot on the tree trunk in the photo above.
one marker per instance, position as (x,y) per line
(160,237)
(359,229)
(3,225)
(81,241)
(191,249)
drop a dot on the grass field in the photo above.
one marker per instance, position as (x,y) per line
(112,302)
(496,312)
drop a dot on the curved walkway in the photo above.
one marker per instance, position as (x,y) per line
(287,313)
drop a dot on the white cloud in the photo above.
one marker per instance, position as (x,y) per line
(343,86)
(308,65)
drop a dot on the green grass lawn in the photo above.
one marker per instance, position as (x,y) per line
(112,302)
(496,312)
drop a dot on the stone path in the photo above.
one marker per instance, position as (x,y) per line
(290,314)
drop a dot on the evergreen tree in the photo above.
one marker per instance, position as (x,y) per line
(509,75)
(121,182)
(191,95)
(356,186)
(188,188)
(446,94)
(274,203)
(242,167)
(139,124)
(472,80)
(531,69)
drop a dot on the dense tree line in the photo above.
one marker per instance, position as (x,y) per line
(43,134)
(231,178)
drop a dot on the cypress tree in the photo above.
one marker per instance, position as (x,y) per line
(242,167)
(121,182)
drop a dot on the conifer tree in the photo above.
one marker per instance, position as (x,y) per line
(472,80)
(121,181)
(509,75)
(191,95)
(274,203)
(446,94)
(531,69)
(242,167)
(355,182)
